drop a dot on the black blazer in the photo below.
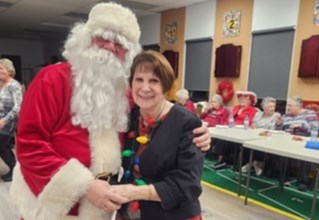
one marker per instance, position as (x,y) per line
(173,164)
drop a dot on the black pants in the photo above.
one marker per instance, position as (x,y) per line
(6,152)
(227,149)
(305,168)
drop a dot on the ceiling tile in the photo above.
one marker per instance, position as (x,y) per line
(9,1)
(2,9)
(49,15)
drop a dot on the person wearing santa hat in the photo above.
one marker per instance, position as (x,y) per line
(244,109)
(247,100)
(67,141)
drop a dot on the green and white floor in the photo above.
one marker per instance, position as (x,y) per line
(263,191)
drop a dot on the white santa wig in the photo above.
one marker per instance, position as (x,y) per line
(100,79)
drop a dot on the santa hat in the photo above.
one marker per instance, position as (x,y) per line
(252,96)
(114,17)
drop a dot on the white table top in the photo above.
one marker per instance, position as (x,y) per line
(284,145)
(237,135)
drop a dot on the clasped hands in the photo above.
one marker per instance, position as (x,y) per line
(296,125)
(107,197)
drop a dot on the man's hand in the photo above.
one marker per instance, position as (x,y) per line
(202,141)
(101,196)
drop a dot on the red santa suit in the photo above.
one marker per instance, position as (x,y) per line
(56,159)
(57,156)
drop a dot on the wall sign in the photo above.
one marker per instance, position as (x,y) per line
(231,23)
(170,33)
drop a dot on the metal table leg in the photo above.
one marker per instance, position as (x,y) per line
(283,171)
(240,173)
(235,155)
(248,175)
(314,199)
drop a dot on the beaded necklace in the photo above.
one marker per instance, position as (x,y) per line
(141,134)
(140,137)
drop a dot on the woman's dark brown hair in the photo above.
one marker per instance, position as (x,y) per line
(156,62)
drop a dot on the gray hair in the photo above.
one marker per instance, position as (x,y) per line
(266,101)
(218,99)
(182,94)
(8,65)
(297,99)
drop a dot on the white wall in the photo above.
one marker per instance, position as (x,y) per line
(273,14)
(53,48)
(200,20)
(31,51)
(150,29)
(200,23)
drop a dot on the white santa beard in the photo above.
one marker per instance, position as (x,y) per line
(99,99)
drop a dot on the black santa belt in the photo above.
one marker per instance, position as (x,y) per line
(108,177)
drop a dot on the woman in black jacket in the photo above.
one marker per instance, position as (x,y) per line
(160,159)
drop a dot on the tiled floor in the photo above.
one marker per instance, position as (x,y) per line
(216,205)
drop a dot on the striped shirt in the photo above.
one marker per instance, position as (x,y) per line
(307,118)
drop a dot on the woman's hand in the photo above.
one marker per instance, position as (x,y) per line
(296,125)
(126,190)
(2,123)
(101,196)
(133,192)
(208,108)
(278,120)
(202,141)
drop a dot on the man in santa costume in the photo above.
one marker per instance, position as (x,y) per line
(70,119)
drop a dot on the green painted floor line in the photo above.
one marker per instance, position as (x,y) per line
(264,191)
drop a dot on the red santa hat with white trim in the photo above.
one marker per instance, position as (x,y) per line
(252,96)
(115,17)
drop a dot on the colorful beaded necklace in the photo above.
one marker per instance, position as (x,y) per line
(140,137)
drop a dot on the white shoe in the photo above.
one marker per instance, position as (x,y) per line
(245,168)
(257,168)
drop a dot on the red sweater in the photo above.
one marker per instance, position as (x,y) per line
(190,106)
(216,116)
(249,110)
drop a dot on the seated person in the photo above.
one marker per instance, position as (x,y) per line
(245,108)
(182,98)
(247,100)
(298,121)
(263,119)
(215,113)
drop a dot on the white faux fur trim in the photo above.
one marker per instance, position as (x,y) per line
(105,151)
(115,17)
(66,187)
(252,95)
(69,184)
